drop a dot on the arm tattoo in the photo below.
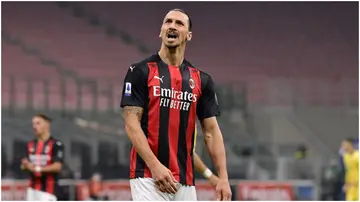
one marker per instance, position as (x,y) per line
(133,110)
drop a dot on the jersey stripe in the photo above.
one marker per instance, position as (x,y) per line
(195,75)
(174,115)
(154,113)
(30,147)
(39,151)
(184,115)
(163,150)
(50,183)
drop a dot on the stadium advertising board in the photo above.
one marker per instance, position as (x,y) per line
(257,191)
(119,190)
(276,191)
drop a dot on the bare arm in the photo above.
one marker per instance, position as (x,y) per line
(132,116)
(215,145)
(52,168)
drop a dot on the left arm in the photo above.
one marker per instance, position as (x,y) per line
(207,110)
(215,145)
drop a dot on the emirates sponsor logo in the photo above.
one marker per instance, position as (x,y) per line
(40,160)
(174,99)
(174,94)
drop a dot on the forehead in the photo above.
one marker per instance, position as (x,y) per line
(346,143)
(176,15)
(38,119)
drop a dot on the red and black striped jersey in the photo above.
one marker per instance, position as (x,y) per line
(172,97)
(43,153)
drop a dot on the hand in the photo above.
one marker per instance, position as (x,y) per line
(223,191)
(24,161)
(213,180)
(30,167)
(164,179)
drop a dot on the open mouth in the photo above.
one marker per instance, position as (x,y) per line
(172,35)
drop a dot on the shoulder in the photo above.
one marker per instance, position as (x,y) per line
(356,154)
(143,64)
(57,143)
(204,76)
(33,141)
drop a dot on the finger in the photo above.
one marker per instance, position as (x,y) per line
(167,187)
(161,188)
(159,185)
(170,189)
(227,197)
(218,195)
(171,181)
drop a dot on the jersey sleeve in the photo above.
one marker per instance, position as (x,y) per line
(134,89)
(58,152)
(208,105)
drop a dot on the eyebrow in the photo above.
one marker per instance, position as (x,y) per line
(166,19)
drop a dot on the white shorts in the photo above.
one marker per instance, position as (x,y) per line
(144,189)
(36,195)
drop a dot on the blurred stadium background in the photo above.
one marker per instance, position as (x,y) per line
(286,75)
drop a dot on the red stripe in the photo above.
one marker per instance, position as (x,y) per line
(195,74)
(39,149)
(50,178)
(30,146)
(132,162)
(174,124)
(154,112)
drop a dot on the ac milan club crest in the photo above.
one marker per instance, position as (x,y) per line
(192,83)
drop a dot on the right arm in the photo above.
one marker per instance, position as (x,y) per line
(132,117)
(133,101)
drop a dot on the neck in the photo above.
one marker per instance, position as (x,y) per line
(44,136)
(351,151)
(172,56)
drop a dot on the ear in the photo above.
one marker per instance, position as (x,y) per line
(189,36)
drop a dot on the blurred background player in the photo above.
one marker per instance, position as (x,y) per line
(351,163)
(162,96)
(44,159)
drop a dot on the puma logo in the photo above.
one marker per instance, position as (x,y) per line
(156,77)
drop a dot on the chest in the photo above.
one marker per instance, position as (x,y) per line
(40,154)
(350,161)
(174,88)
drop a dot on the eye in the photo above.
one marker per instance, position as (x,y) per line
(168,21)
(179,22)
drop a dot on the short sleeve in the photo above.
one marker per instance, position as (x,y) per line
(208,105)
(134,89)
(58,152)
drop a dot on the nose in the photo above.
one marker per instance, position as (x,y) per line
(172,26)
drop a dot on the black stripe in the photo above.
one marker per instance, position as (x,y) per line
(44,177)
(140,163)
(33,181)
(163,144)
(184,119)
(192,155)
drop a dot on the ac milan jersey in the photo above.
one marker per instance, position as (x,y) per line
(43,153)
(171,97)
